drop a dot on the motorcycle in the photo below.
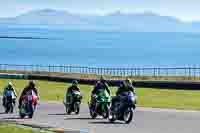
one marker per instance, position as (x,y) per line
(9,101)
(102,106)
(73,103)
(123,108)
(28,105)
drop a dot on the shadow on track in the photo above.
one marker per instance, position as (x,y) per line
(12,118)
(105,122)
(58,114)
(81,118)
(2,113)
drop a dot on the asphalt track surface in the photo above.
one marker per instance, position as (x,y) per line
(146,120)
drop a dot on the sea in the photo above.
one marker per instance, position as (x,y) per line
(98,48)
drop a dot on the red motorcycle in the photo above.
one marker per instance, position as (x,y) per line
(28,106)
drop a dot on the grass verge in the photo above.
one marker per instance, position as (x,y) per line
(10,128)
(147,97)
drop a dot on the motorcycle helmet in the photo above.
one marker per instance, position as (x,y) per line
(102,79)
(128,82)
(31,83)
(10,85)
(74,82)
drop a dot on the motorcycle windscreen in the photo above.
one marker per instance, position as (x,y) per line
(104,96)
(76,93)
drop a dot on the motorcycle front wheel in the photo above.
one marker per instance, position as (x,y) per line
(68,109)
(77,108)
(11,108)
(30,115)
(21,113)
(112,117)
(128,115)
(106,112)
(31,111)
(93,114)
(22,116)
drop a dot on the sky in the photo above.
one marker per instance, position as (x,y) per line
(186,10)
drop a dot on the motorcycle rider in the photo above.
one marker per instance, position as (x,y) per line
(9,87)
(126,86)
(99,85)
(30,87)
(73,87)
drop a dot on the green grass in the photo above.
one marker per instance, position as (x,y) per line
(9,128)
(147,97)
(178,99)
(48,91)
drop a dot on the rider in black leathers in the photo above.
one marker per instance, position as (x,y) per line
(126,86)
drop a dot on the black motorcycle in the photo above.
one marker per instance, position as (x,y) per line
(123,108)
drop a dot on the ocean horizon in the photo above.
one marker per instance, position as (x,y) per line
(101,49)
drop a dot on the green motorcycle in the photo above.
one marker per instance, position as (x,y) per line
(102,106)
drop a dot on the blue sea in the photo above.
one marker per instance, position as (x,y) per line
(91,48)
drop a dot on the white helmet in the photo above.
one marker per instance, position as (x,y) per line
(10,84)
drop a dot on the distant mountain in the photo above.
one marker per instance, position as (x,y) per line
(117,21)
(46,16)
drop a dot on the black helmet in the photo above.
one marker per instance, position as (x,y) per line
(31,83)
(75,82)
(102,79)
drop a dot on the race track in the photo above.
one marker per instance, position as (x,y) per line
(145,120)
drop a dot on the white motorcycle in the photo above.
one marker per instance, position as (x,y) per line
(9,101)
(72,102)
